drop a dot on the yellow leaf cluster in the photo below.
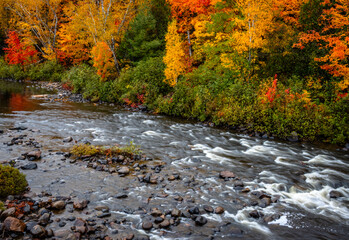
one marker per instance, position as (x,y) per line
(174,55)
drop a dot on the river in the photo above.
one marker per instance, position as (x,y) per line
(298,176)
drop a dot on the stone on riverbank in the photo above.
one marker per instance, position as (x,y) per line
(14,224)
(227,174)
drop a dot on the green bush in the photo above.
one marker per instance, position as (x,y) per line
(47,71)
(12,182)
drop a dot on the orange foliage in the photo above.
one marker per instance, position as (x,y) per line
(102,59)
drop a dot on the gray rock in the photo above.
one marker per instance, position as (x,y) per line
(200,220)
(30,166)
(124,170)
(147,225)
(38,231)
(44,219)
(8,213)
(335,194)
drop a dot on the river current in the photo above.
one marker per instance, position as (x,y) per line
(301,176)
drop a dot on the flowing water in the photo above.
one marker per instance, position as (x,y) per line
(300,175)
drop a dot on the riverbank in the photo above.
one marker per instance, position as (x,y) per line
(266,188)
(293,112)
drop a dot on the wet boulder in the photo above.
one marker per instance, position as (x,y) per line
(335,194)
(30,166)
(8,213)
(14,224)
(200,220)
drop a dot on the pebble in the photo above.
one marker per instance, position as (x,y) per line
(219,210)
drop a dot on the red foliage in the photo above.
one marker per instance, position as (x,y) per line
(19,52)
(20,205)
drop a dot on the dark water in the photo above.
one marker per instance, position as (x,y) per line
(301,175)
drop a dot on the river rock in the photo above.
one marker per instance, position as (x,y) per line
(67,139)
(34,155)
(208,209)
(44,219)
(155,212)
(335,194)
(14,224)
(238,184)
(293,137)
(265,201)
(165,224)
(8,213)
(219,210)
(194,210)
(124,170)
(59,205)
(79,205)
(271,218)
(158,220)
(30,166)
(226,174)
(200,220)
(38,231)
(102,208)
(121,195)
(147,225)
(255,214)
(175,213)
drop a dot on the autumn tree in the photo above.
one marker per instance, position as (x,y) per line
(102,59)
(19,52)
(101,21)
(174,58)
(38,22)
(327,29)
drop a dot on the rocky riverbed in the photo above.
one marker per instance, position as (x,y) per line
(45,215)
(190,182)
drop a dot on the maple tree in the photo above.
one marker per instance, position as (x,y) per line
(19,52)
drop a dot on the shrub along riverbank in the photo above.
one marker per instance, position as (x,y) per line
(286,108)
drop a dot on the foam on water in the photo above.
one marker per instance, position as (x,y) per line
(282,221)
(284,161)
(327,161)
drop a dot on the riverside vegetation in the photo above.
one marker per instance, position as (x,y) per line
(271,68)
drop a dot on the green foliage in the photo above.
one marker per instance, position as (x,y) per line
(84,79)
(2,207)
(47,71)
(12,182)
(12,72)
(145,37)
(145,79)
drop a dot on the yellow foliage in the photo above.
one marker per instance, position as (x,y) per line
(175,54)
